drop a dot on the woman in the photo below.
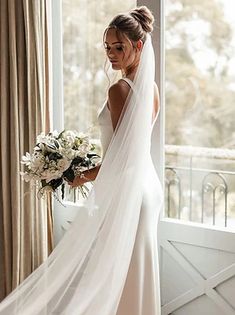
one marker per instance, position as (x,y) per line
(123,41)
(106,263)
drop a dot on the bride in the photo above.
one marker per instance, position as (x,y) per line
(107,262)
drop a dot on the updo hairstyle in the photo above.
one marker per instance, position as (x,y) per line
(135,24)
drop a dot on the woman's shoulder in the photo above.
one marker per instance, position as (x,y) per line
(120,86)
(118,92)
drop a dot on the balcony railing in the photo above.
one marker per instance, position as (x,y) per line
(200,184)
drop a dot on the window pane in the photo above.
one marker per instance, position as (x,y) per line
(200,109)
(85,81)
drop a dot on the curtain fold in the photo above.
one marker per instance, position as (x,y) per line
(26,223)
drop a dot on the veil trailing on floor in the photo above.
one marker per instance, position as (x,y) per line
(85,274)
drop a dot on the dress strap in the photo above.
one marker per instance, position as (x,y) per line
(128,81)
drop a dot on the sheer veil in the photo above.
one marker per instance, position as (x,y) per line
(86,272)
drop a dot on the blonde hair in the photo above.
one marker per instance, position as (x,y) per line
(134,24)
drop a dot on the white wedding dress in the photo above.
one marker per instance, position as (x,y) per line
(141,293)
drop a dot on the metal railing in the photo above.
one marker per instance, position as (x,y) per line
(196,193)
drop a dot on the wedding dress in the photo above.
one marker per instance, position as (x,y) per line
(141,293)
(106,263)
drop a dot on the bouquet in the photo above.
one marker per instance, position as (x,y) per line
(58,157)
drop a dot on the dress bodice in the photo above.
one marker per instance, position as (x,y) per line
(106,127)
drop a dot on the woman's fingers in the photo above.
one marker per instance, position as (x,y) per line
(76,182)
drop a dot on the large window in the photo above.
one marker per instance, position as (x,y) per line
(200,110)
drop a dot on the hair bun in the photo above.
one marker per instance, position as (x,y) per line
(145,17)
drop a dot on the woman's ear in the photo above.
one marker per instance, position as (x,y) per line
(139,44)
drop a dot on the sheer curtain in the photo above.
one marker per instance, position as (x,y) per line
(25,222)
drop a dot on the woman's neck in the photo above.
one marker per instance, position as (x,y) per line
(130,71)
(129,75)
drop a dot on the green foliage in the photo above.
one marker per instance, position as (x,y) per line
(199,102)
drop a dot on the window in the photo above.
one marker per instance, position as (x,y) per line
(200,111)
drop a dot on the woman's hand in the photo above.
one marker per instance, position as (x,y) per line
(78,181)
(89,175)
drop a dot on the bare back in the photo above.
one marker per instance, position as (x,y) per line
(117,97)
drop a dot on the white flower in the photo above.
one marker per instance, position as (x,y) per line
(65,144)
(77,153)
(67,153)
(48,142)
(42,138)
(55,133)
(84,140)
(50,174)
(69,136)
(63,164)
(26,159)
(84,149)
(82,154)
(37,163)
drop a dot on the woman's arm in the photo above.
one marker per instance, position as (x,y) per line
(89,176)
(116,99)
(156,101)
